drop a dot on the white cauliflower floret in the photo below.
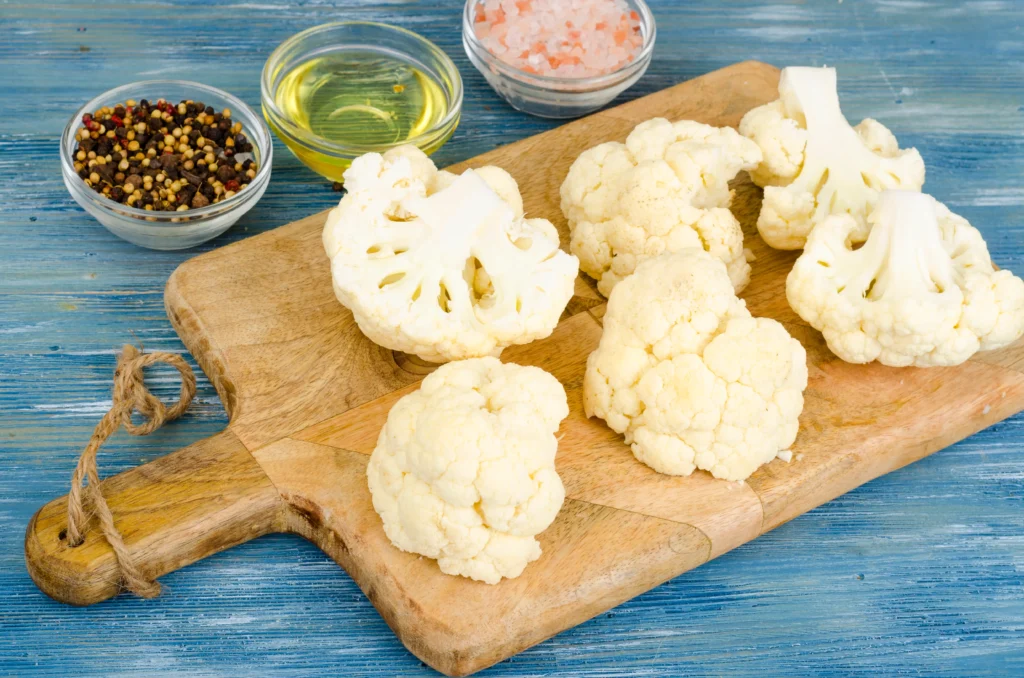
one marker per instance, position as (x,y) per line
(464,468)
(664,190)
(442,266)
(689,376)
(921,291)
(816,164)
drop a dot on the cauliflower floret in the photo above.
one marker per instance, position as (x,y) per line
(921,291)
(464,468)
(689,376)
(444,266)
(815,164)
(664,190)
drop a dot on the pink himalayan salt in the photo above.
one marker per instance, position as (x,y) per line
(561,38)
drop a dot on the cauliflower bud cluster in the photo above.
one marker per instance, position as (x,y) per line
(464,468)
(442,266)
(689,376)
(664,190)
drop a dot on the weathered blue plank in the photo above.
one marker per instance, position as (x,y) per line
(920,572)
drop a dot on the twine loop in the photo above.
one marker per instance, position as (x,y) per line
(130,394)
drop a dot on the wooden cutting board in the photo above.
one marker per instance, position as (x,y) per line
(308,394)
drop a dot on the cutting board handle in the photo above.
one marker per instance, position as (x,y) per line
(172,512)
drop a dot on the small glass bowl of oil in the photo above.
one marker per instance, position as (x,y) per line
(334,92)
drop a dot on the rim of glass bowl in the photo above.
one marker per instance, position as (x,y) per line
(550,82)
(255,128)
(321,144)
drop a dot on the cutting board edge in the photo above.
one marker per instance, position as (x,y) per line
(188,325)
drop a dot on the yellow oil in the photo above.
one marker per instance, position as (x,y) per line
(360,98)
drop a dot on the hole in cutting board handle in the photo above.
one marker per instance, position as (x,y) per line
(63,536)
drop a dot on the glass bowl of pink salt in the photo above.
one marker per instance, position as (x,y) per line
(559,58)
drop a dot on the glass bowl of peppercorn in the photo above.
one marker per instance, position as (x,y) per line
(166,164)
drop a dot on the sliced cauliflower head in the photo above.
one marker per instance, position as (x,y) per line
(815,164)
(921,291)
(664,190)
(464,468)
(442,266)
(689,376)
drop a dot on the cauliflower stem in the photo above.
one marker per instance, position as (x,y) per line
(902,258)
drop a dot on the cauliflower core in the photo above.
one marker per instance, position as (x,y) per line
(664,190)
(443,266)
(816,164)
(689,376)
(464,469)
(921,291)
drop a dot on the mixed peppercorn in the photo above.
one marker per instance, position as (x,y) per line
(164,157)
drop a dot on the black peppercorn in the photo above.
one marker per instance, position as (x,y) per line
(225,173)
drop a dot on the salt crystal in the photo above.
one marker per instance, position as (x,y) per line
(560,38)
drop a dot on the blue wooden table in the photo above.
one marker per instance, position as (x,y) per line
(920,572)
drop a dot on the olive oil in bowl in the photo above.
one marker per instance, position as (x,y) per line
(337,91)
(362,99)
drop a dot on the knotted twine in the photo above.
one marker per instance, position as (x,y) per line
(130,394)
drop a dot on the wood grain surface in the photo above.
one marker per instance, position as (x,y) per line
(918,572)
(308,395)
(171,512)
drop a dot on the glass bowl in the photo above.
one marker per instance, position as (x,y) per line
(170,230)
(331,158)
(553,97)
